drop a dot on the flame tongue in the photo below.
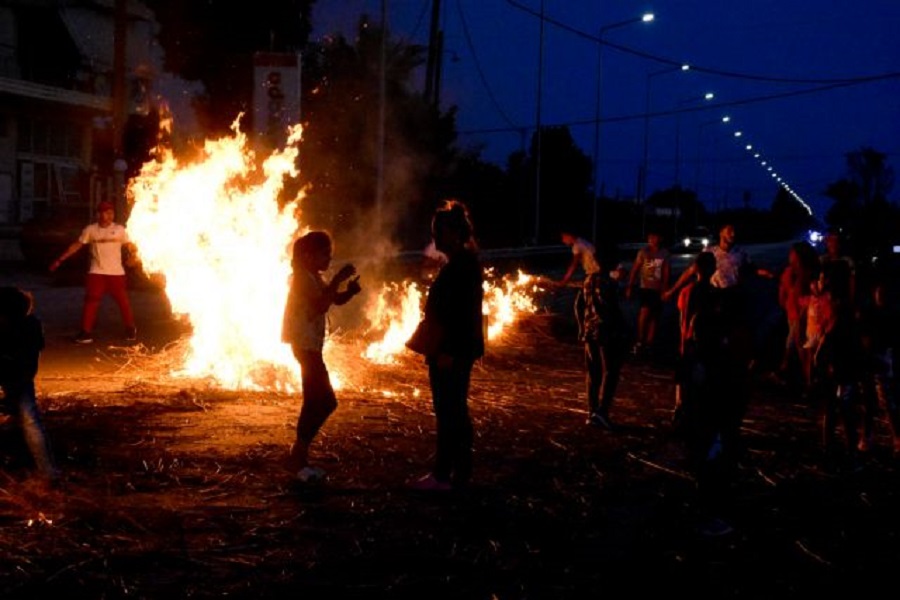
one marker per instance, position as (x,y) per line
(398,309)
(214,229)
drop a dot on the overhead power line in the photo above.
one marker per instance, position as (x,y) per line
(698,68)
(704,107)
(484,81)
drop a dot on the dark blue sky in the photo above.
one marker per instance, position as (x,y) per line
(804,81)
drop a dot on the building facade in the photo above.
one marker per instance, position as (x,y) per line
(60,133)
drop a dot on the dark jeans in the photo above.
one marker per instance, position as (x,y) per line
(714,401)
(840,401)
(19,400)
(604,366)
(319,400)
(878,392)
(450,393)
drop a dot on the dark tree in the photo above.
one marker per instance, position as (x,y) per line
(340,153)
(214,41)
(861,205)
(789,218)
(565,183)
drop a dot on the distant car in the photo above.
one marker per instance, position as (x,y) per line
(696,241)
(814,237)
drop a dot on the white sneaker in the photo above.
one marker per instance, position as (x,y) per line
(310,474)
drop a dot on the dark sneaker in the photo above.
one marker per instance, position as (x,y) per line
(714,527)
(429,483)
(310,474)
(84,337)
(131,334)
(600,420)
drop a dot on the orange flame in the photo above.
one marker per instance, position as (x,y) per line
(506,299)
(214,229)
(398,309)
(398,320)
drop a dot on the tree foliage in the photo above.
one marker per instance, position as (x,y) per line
(861,205)
(214,41)
(565,201)
(342,156)
(789,218)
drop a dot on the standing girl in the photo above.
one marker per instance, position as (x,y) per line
(308,302)
(452,324)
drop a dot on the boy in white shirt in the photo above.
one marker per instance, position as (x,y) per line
(106,274)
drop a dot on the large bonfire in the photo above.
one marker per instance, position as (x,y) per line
(213,228)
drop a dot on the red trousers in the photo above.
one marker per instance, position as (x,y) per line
(95,287)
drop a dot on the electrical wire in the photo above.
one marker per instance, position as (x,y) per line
(698,68)
(704,107)
(479,70)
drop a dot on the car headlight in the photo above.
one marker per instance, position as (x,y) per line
(687,242)
(705,242)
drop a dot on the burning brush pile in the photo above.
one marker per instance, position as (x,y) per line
(214,231)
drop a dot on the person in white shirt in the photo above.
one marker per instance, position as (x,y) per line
(106,274)
(583,253)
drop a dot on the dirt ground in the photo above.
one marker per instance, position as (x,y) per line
(174,489)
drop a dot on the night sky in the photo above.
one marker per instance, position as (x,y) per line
(804,82)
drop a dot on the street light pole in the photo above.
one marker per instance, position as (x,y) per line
(537,132)
(684,102)
(700,129)
(382,111)
(645,18)
(642,186)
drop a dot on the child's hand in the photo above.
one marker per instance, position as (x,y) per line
(345,273)
(353,287)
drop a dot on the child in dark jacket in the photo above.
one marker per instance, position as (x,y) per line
(604,333)
(837,364)
(21,344)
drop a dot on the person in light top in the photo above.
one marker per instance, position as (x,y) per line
(650,271)
(583,254)
(304,327)
(107,240)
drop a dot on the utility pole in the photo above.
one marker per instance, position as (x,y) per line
(382,110)
(119,100)
(537,133)
(435,41)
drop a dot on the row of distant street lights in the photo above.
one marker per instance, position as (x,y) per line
(708,96)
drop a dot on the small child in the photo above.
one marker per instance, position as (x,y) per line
(21,343)
(814,311)
(837,362)
(304,327)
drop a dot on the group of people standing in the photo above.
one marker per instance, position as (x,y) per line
(841,344)
(450,338)
(452,317)
(22,332)
(843,333)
